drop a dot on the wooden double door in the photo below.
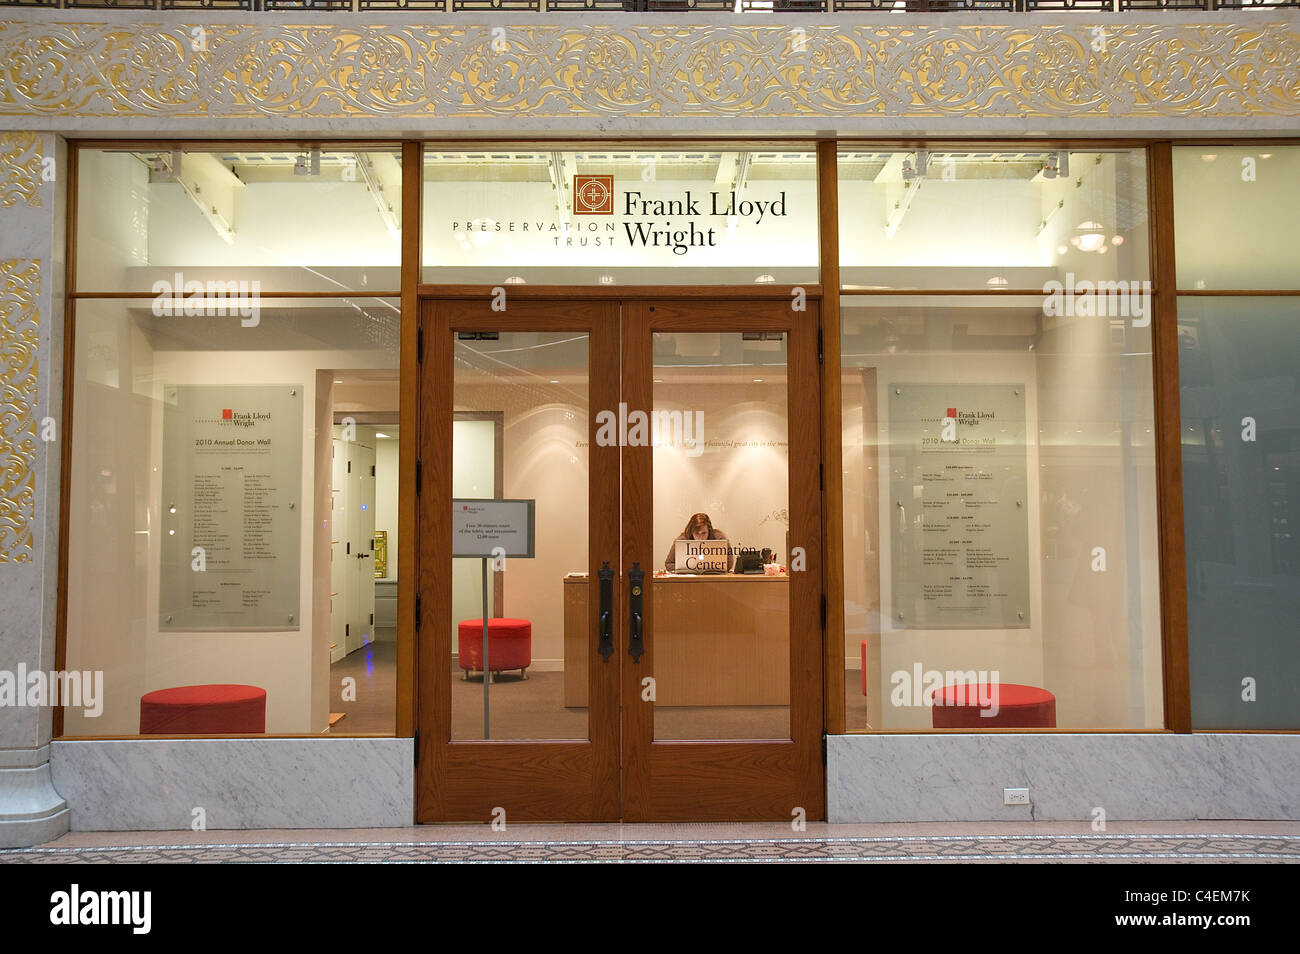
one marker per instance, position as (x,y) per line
(633,693)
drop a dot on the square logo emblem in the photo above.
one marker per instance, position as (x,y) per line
(593,195)
(227,414)
(952,413)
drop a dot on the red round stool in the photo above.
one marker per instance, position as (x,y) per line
(1018,707)
(203,710)
(510,645)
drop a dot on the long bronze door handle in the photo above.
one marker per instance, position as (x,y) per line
(636,638)
(606,576)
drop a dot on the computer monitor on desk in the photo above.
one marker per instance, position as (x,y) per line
(702,556)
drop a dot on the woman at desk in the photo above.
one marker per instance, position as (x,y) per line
(699,527)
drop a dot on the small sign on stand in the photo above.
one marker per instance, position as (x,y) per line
(491,530)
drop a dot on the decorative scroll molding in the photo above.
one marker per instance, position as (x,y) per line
(20,283)
(20,169)
(343,70)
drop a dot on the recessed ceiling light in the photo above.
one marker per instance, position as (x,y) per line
(385,436)
(338,380)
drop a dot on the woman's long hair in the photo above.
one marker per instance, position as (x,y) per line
(695,521)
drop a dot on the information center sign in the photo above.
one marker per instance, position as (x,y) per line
(492,528)
(231,513)
(959,506)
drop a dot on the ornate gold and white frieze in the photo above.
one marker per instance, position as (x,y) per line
(1154,70)
(20,169)
(20,281)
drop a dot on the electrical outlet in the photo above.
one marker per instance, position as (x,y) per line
(1015,796)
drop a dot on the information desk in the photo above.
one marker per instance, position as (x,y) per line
(719,640)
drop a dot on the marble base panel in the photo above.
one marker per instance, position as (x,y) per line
(925,778)
(152,785)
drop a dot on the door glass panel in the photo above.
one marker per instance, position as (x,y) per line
(520,432)
(720,618)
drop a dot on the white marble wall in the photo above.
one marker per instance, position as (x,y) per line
(921,778)
(151,785)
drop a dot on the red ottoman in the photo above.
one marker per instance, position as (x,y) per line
(510,645)
(203,710)
(1018,707)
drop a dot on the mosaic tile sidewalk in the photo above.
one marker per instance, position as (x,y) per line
(1247,843)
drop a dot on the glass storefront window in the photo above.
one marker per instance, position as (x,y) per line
(231,469)
(1000,538)
(324,220)
(983,219)
(619,218)
(1237,216)
(1240,404)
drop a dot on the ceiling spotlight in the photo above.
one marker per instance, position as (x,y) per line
(764,280)
(1057,166)
(165,170)
(515,280)
(307,165)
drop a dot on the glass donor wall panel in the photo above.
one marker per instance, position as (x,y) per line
(620,218)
